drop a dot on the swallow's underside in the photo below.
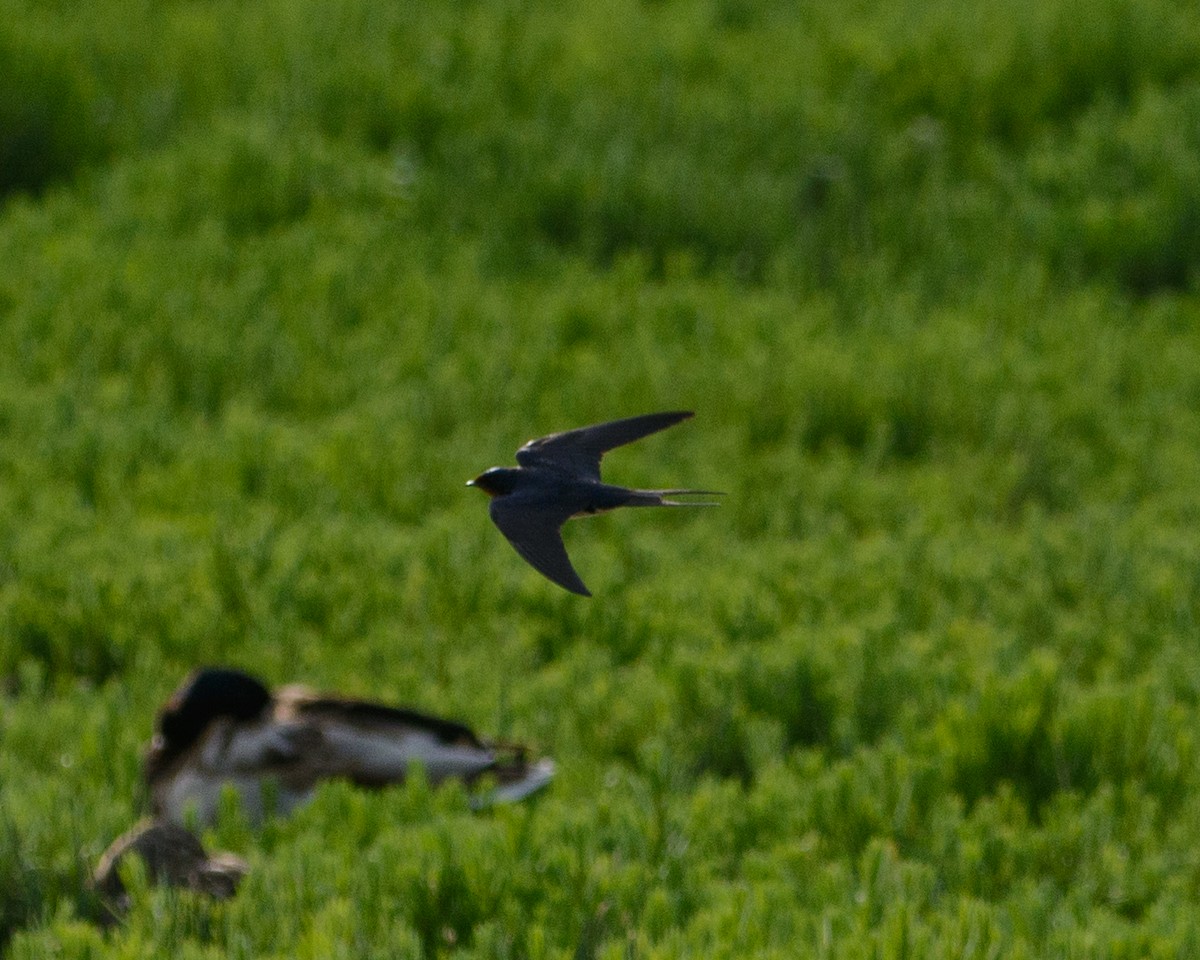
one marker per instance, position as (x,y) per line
(559,478)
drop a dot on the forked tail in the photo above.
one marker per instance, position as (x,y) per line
(666,498)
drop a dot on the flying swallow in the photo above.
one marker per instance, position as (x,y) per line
(223,727)
(559,478)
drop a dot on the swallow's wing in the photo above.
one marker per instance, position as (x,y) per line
(534,531)
(580,450)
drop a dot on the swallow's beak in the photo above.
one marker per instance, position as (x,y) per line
(483,482)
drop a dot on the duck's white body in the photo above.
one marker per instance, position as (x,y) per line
(275,758)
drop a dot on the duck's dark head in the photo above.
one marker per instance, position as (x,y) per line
(497,481)
(208,694)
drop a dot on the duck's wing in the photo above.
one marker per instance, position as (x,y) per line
(373,744)
(305,704)
(579,451)
(275,747)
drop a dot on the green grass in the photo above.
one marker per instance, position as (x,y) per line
(278,277)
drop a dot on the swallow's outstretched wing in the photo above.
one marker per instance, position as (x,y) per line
(579,451)
(534,531)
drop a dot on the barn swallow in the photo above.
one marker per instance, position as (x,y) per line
(223,727)
(559,478)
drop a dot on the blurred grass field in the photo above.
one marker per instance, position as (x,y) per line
(277,277)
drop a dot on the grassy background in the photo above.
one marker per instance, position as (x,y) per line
(279,276)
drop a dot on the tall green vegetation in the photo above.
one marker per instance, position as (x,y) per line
(277,277)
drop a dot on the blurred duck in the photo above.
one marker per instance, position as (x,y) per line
(224,727)
(173,857)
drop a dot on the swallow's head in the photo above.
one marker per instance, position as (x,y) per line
(497,481)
